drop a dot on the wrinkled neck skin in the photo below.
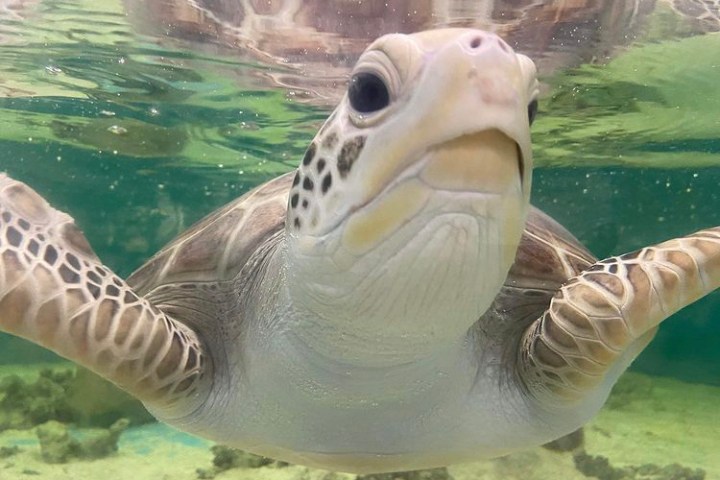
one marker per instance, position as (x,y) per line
(413,297)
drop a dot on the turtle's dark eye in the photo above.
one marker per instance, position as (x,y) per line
(368,93)
(532,111)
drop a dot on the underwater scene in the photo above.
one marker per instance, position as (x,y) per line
(140,117)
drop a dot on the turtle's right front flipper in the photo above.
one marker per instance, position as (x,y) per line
(56,293)
(601,319)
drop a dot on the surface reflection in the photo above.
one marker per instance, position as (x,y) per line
(318,40)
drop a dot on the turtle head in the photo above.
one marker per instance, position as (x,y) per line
(417,186)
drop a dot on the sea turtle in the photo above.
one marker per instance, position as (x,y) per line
(394,304)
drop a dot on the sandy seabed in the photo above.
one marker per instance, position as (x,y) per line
(648,420)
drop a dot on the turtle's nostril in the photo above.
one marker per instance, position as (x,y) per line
(475,42)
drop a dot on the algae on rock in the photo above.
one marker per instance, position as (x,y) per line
(58,446)
(429,474)
(599,467)
(68,396)
(227,458)
(24,405)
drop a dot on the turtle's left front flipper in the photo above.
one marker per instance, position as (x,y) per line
(601,319)
(55,292)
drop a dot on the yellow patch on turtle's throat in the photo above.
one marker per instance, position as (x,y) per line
(486,161)
(374,223)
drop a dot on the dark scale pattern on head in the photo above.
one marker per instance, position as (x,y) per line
(349,152)
(308,184)
(330,141)
(316,173)
(309,154)
(326,183)
(295,191)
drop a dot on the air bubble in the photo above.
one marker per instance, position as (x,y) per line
(117,130)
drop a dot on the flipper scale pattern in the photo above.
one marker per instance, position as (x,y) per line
(613,309)
(55,292)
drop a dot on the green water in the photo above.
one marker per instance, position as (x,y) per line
(138,137)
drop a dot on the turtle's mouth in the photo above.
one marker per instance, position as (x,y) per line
(465,171)
(477,162)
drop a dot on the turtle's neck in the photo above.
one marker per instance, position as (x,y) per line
(352,366)
(412,301)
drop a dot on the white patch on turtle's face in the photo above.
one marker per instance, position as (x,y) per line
(417,185)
